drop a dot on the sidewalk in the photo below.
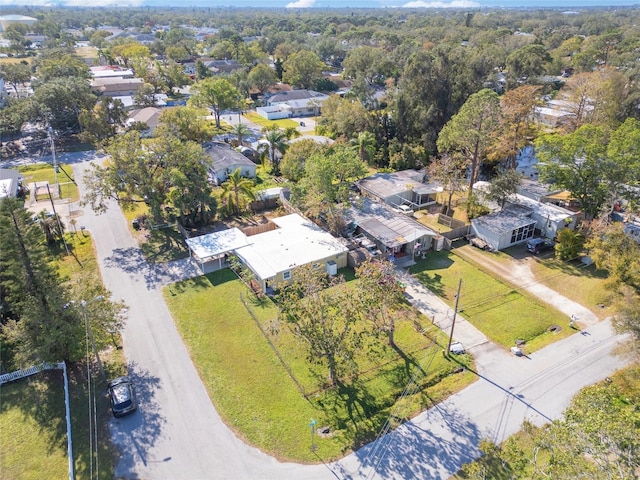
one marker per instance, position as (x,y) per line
(440,313)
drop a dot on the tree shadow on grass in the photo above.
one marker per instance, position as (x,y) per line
(138,432)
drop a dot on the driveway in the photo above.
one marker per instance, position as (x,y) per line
(177,433)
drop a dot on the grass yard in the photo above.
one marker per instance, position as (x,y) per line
(33,428)
(42,172)
(283,123)
(243,358)
(581,283)
(158,245)
(489,304)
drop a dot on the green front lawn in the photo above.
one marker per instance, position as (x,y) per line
(42,172)
(283,123)
(503,313)
(263,386)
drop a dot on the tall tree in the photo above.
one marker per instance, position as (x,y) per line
(103,121)
(187,123)
(237,192)
(15,74)
(262,77)
(449,171)
(218,94)
(33,295)
(470,132)
(517,106)
(365,145)
(275,145)
(294,158)
(577,163)
(381,296)
(302,69)
(144,171)
(59,101)
(321,314)
(504,186)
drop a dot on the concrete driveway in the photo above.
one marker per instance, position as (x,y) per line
(177,433)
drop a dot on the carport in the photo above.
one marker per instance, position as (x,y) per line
(211,250)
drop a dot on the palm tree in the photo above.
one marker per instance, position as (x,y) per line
(365,145)
(276,144)
(237,191)
(240,130)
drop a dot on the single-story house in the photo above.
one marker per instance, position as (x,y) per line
(113,87)
(290,241)
(225,160)
(549,218)
(503,229)
(396,235)
(110,71)
(294,103)
(221,67)
(10,183)
(150,116)
(405,187)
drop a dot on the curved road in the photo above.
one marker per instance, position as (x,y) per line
(177,434)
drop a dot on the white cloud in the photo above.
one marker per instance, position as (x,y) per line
(301,4)
(453,4)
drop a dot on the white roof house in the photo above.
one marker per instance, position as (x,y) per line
(272,255)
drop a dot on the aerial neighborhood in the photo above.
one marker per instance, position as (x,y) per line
(319,243)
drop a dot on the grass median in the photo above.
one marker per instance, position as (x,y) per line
(262,384)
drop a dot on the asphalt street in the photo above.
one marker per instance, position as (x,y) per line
(177,434)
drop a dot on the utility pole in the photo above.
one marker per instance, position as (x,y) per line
(55,214)
(55,161)
(455,312)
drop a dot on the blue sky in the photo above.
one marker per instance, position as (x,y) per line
(331,3)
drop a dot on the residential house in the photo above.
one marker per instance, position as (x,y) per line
(11,185)
(116,87)
(222,67)
(549,218)
(110,71)
(396,235)
(273,254)
(396,189)
(150,116)
(503,229)
(225,160)
(294,103)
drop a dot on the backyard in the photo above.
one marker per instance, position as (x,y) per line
(245,354)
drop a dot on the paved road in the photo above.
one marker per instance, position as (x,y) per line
(177,434)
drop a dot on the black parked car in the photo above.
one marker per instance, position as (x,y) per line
(537,245)
(123,400)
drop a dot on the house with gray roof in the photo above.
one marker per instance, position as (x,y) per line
(396,235)
(225,160)
(403,188)
(503,229)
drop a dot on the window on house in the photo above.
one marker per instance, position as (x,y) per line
(522,233)
(286,275)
